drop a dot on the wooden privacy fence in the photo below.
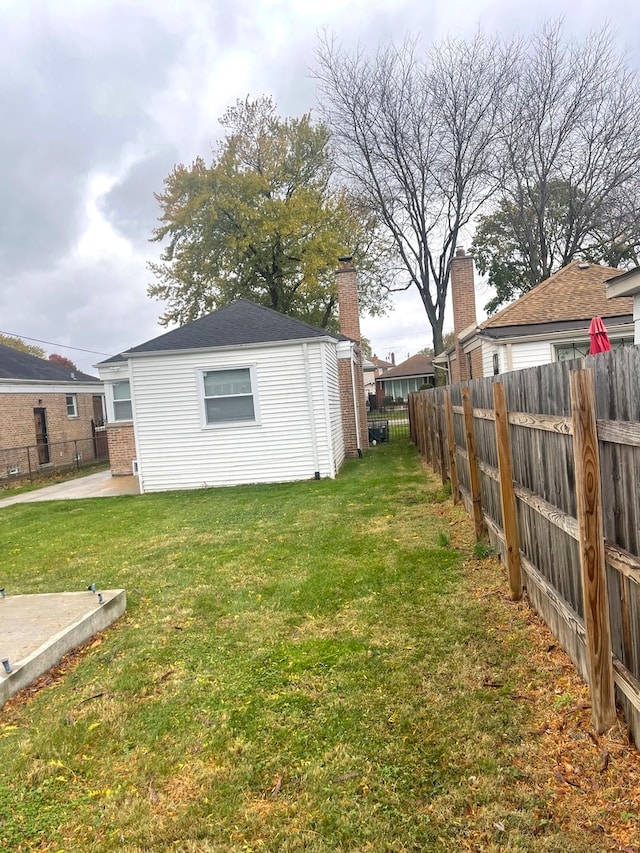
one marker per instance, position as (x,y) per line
(547,462)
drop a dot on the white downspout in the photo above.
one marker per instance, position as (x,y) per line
(312,419)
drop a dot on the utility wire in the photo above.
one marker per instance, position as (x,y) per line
(53,343)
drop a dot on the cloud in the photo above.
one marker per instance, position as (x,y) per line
(100,98)
(72,92)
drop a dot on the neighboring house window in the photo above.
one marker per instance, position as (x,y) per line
(72,406)
(122,410)
(228,396)
(566,352)
(496,364)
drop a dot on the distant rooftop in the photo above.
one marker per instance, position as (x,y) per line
(15,364)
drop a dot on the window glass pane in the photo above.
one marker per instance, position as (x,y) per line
(224,409)
(122,410)
(72,410)
(121,390)
(223,383)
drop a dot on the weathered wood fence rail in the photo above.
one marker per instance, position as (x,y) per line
(547,463)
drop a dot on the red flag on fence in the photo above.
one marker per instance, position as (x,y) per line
(599,338)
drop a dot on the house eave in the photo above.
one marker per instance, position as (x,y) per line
(29,386)
(627,284)
(255,345)
(553,331)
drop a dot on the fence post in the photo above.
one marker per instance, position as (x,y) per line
(474,473)
(441,439)
(451,445)
(592,556)
(422,439)
(432,433)
(428,444)
(412,421)
(507,494)
(29,465)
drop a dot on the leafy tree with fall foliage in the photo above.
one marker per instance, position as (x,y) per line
(264,221)
(63,361)
(19,344)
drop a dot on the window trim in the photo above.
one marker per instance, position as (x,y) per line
(255,421)
(74,406)
(113,401)
(616,341)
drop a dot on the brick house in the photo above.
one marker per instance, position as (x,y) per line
(48,414)
(400,380)
(242,395)
(549,323)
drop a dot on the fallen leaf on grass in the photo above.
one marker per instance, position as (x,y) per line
(276,788)
(91,698)
(562,778)
(166,675)
(345,777)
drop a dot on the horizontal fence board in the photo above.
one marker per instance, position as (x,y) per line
(619,432)
(539,415)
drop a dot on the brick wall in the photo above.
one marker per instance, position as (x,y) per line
(122,448)
(68,438)
(349,308)
(464,308)
(17,426)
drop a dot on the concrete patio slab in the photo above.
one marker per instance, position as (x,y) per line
(100,485)
(36,631)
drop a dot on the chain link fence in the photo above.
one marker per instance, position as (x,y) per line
(47,458)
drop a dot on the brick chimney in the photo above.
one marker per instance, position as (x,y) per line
(464,307)
(347,281)
(351,377)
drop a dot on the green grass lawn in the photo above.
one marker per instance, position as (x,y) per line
(301,667)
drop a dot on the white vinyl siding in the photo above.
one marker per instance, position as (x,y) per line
(176,452)
(334,412)
(530,354)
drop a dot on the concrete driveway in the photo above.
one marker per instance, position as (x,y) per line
(100,485)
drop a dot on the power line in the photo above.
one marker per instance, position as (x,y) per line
(53,343)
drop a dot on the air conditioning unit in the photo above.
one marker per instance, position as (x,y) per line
(134,468)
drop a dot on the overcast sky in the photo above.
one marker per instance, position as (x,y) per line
(99,100)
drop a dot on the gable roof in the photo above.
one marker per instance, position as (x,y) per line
(417,365)
(240,323)
(380,362)
(15,364)
(575,292)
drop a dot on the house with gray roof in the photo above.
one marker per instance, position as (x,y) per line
(48,413)
(242,395)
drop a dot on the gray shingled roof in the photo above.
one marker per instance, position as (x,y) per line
(21,365)
(240,323)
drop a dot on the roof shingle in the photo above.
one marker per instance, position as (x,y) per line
(575,292)
(417,365)
(15,364)
(239,323)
